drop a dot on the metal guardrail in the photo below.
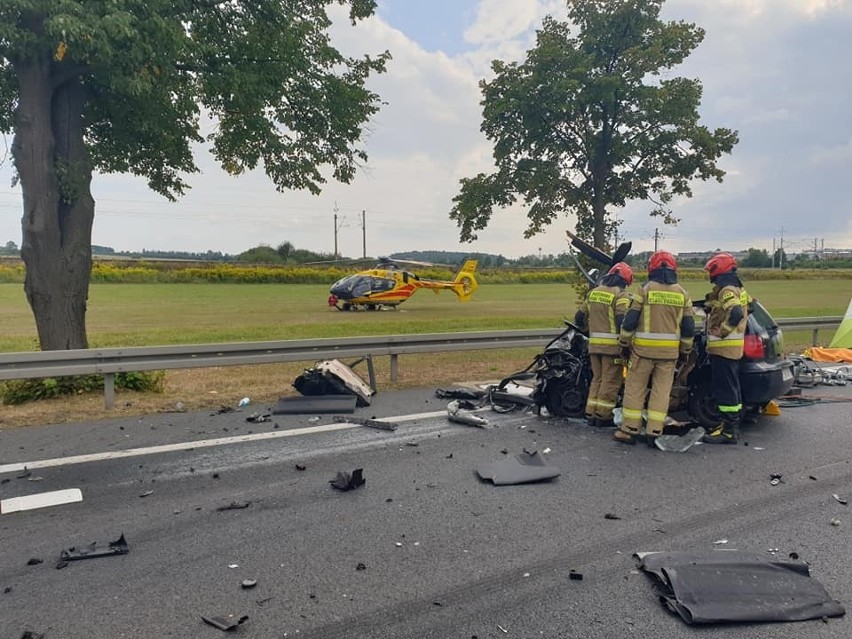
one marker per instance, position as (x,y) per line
(109,361)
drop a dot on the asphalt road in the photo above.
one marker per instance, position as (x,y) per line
(441,553)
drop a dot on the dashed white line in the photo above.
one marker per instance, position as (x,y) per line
(40,500)
(204,443)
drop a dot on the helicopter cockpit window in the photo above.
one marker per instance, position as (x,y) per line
(380,284)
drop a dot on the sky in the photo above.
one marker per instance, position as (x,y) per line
(777,71)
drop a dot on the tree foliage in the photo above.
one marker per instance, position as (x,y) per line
(130,86)
(591,120)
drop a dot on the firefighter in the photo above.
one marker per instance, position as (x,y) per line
(600,317)
(727,312)
(659,328)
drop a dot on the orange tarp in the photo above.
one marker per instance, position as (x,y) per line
(819,354)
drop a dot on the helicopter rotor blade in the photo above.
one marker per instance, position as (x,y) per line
(580,268)
(588,250)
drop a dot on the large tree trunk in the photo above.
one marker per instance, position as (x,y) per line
(55,174)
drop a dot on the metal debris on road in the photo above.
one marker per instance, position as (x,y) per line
(235,505)
(344,481)
(526,467)
(259,418)
(225,623)
(720,542)
(835,522)
(775,479)
(370,422)
(840,499)
(460,393)
(461,412)
(147,493)
(679,443)
(92,551)
(248,584)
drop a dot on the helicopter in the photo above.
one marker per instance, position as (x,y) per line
(386,285)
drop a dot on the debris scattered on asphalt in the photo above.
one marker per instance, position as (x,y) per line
(794,555)
(34,561)
(711,587)
(611,516)
(835,522)
(679,443)
(259,418)
(29,634)
(545,451)
(840,499)
(295,405)
(35,478)
(235,505)
(526,467)
(224,409)
(301,467)
(460,411)
(261,602)
(502,629)
(147,493)
(370,422)
(361,566)
(574,575)
(24,474)
(720,542)
(117,547)
(215,475)
(775,479)
(333,377)
(245,401)
(812,477)
(248,584)
(459,393)
(344,481)
(225,623)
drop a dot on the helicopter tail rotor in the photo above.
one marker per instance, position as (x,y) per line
(464,283)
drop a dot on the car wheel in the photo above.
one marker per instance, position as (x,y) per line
(564,399)
(702,406)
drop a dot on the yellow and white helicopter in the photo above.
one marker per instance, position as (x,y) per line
(386,285)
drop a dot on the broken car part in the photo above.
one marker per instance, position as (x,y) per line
(235,505)
(679,443)
(315,404)
(460,411)
(333,377)
(524,468)
(92,551)
(459,393)
(344,481)
(224,623)
(734,586)
(369,422)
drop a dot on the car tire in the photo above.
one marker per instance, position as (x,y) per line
(563,398)
(702,406)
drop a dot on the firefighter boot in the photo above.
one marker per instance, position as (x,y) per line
(624,437)
(725,432)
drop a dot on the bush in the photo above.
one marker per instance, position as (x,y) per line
(20,391)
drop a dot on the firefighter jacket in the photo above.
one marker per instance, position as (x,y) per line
(600,316)
(659,323)
(727,312)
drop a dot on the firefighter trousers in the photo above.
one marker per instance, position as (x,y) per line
(606,382)
(725,374)
(660,373)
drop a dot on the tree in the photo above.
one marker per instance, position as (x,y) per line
(756,258)
(126,85)
(588,121)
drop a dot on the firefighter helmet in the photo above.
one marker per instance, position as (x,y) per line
(662,259)
(623,270)
(720,264)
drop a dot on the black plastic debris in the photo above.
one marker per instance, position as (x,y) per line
(235,505)
(24,473)
(34,561)
(345,481)
(574,575)
(524,468)
(301,467)
(248,584)
(734,586)
(259,418)
(370,422)
(840,499)
(611,516)
(361,566)
(333,377)
(459,393)
(29,634)
(225,623)
(318,404)
(92,551)
(461,412)
(775,479)
(224,409)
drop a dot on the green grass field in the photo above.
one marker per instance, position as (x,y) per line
(154,314)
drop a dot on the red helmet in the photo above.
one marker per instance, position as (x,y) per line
(623,270)
(720,264)
(662,259)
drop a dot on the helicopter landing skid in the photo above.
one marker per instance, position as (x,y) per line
(348,306)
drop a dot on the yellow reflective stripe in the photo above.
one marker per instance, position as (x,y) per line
(656,343)
(629,413)
(730,409)
(604,404)
(601,297)
(666,298)
(744,298)
(656,416)
(603,341)
(725,342)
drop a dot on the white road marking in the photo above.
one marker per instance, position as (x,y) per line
(40,500)
(204,443)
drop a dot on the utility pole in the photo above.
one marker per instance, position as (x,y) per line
(335,229)
(781,253)
(656,239)
(773,252)
(364,232)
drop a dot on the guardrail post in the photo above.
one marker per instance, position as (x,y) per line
(371,372)
(815,339)
(109,390)
(394,367)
